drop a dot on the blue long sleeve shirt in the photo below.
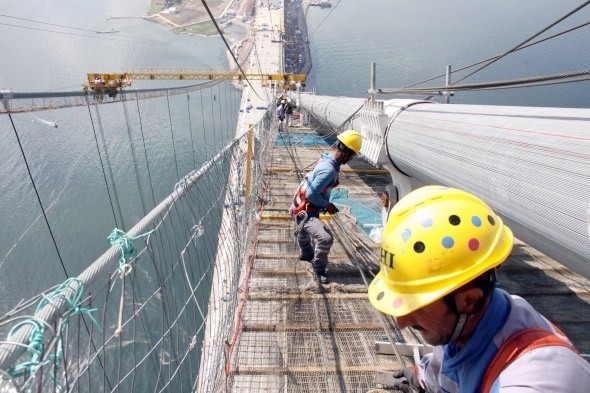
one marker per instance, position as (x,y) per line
(321,180)
(450,369)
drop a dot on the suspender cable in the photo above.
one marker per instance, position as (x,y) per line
(213,120)
(108,164)
(204,127)
(147,162)
(133,155)
(172,134)
(106,183)
(527,40)
(190,127)
(38,197)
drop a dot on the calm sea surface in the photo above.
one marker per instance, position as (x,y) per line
(414,40)
(409,40)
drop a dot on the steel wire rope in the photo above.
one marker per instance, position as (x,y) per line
(134,156)
(105,378)
(227,113)
(213,121)
(187,282)
(166,333)
(109,166)
(134,305)
(166,315)
(222,182)
(147,332)
(103,323)
(88,274)
(161,280)
(222,128)
(495,56)
(135,297)
(104,315)
(78,35)
(256,55)
(525,41)
(382,317)
(37,195)
(81,97)
(542,80)
(204,126)
(77,28)
(538,84)
(190,127)
(48,208)
(147,161)
(228,47)
(187,229)
(323,20)
(172,135)
(210,266)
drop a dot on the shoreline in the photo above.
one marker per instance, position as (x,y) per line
(235,22)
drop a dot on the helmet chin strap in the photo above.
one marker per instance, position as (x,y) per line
(458,328)
(462,318)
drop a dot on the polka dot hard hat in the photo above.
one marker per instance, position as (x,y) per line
(436,239)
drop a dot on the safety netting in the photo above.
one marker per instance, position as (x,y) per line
(154,312)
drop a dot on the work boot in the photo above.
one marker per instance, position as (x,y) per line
(321,278)
(307,258)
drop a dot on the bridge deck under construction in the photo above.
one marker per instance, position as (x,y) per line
(298,336)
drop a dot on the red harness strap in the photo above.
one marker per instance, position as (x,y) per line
(519,343)
(300,200)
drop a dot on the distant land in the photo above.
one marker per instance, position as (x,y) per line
(190,16)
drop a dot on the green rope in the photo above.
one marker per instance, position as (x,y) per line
(36,346)
(125,243)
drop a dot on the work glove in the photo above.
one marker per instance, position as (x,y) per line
(405,380)
(332,209)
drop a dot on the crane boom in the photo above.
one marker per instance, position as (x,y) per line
(113,81)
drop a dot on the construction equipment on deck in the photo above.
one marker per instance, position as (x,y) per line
(111,82)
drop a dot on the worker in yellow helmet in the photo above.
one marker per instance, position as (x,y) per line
(439,251)
(313,196)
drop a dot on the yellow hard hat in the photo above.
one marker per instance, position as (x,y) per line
(351,139)
(436,240)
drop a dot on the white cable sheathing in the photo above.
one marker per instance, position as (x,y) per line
(332,110)
(531,164)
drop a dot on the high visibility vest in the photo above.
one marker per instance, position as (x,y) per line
(300,201)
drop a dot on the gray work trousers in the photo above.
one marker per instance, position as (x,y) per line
(313,228)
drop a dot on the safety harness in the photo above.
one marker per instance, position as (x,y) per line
(300,202)
(518,344)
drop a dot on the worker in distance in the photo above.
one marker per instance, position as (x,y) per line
(313,197)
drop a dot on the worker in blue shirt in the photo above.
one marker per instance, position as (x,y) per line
(439,251)
(313,197)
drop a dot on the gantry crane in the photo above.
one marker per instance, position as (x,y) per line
(110,83)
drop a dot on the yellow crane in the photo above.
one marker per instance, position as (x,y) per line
(109,82)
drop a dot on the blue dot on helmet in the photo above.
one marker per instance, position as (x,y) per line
(448,242)
(427,222)
(406,234)
(476,221)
